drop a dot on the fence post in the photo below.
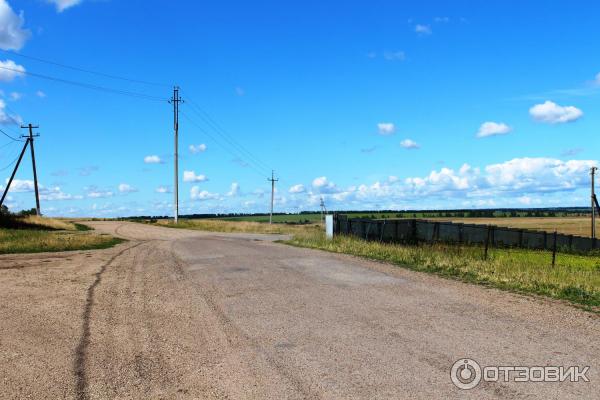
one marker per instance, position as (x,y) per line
(554,249)
(520,238)
(349,227)
(487,242)
(381,231)
(414,232)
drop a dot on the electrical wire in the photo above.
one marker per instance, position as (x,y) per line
(221,132)
(8,144)
(9,165)
(253,167)
(87,85)
(18,153)
(85,70)
(10,137)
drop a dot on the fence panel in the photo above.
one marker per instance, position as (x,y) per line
(416,230)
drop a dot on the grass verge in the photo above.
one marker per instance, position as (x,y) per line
(215,225)
(575,278)
(34,234)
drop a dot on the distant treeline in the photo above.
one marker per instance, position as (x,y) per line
(458,213)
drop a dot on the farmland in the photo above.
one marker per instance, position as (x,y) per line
(579,226)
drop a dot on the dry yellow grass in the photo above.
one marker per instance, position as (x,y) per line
(580,226)
(50,223)
(33,234)
(214,225)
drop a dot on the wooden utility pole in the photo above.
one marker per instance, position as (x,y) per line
(35,181)
(272,180)
(175,101)
(12,176)
(593,173)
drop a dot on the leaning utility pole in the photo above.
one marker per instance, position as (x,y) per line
(273,180)
(593,173)
(35,181)
(175,101)
(12,176)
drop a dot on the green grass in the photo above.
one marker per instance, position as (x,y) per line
(34,234)
(37,241)
(575,278)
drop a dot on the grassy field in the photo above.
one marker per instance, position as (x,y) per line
(215,225)
(568,225)
(574,278)
(34,234)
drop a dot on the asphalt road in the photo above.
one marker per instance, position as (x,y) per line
(182,314)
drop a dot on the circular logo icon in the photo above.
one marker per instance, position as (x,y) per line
(465,373)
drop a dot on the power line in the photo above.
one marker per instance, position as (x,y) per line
(224,147)
(85,70)
(221,132)
(9,164)
(87,85)
(8,136)
(7,144)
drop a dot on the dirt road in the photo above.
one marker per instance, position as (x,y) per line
(182,314)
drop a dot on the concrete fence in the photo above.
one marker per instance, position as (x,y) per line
(417,230)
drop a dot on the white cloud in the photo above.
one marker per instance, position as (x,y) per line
(15,96)
(323,185)
(386,128)
(200,148)
(40,94)
(20,186)
(98,194)
(394,55)
(46,193)
(197,194)
(299,188)
(163,189)
(235,190)
(12,34)
(8,119)
(55,193)
(153,160)
(9,70)
(423,29)
(552,113)
(409,144)
(126,188)
(493,129)
(190,176)
(62,5)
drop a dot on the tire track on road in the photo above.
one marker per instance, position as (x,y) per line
(81,379)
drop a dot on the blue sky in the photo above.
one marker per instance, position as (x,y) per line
(371,105)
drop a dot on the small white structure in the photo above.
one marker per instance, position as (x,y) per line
(329,226)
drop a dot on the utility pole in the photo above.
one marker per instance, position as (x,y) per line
(13,173)
(35,181)
(323,210)
(593,173)
(272,180)
(175,101)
